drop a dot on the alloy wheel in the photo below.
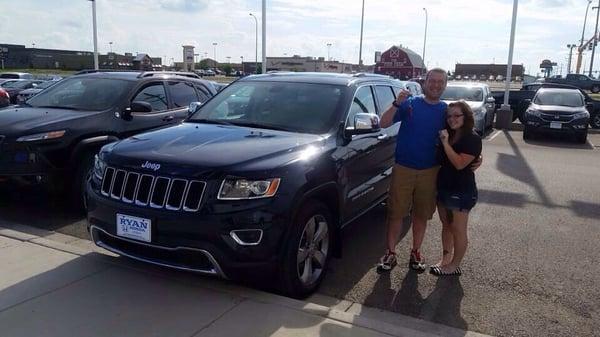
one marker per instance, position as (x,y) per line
(313,250)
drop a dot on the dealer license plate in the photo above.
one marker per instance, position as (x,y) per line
(133,227)
(555,125)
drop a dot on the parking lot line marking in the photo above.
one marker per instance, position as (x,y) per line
(495,134)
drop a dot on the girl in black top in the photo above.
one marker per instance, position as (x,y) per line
(457,191)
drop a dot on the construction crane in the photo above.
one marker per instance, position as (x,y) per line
(580,50)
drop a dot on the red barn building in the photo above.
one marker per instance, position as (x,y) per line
(399,62)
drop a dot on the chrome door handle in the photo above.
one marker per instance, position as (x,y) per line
(382,136)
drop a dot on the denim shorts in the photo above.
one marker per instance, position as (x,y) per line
(458,201)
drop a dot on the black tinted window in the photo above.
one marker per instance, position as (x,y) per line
(363,102)
(299,107)
(385,96)
(155,95)
(82,93)
(203,96)
(182,94)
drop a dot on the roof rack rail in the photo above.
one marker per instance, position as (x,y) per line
(370,75)
(177,73)
(90,71)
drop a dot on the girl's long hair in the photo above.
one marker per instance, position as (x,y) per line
(468,120)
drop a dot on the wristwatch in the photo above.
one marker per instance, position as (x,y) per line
(395,104)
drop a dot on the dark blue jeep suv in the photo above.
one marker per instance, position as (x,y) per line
(260,179)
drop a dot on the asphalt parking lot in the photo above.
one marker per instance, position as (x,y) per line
(531,268)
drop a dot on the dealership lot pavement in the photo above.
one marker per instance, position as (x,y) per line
(531,268)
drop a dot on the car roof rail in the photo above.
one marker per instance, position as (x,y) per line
(176,73)
(91,71)
(370,75)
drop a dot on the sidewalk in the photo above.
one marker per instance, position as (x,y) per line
(57,285)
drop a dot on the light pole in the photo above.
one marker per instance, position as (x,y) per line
(228,59)
(425,36)
(95,34)
(362,20)
(584,22)
(256,43)
(570,46)
(215,54)
(328,47)
(33,45)
(504,115)
(595,38)
(264,36)
(110,44)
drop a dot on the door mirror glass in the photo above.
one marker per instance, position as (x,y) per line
(193,107)
(364,123)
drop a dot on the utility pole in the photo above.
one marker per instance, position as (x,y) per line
(570,46)
(362,20)
(264,36)
(595,38)
(95,34)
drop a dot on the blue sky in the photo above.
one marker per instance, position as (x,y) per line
(465,31)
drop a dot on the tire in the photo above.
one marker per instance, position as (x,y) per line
(527,133)
(300,274)
(81,175)
(595,121)
(581,137)
(595,89)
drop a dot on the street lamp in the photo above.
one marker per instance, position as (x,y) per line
(328,47)
(362,20)
(425,36)
(570,46)
(95,34)
(110,44)
(595,38)
(228,59)
(584,22)
(215,54)
(256,43)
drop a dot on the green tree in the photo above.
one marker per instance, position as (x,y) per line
(227,69)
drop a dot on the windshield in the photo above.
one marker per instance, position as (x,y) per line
(16,84)
(560,98)
(9,75)
(82,93)
(467,93)
(297,107)
(45,85)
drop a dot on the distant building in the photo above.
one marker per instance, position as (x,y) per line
(21,57)
(299,63)
(399,62)
(486,70)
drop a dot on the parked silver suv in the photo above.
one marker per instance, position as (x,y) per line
(479,98)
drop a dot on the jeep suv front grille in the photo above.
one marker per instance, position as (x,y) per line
(157,192)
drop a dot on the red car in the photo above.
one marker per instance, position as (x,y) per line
(4,98)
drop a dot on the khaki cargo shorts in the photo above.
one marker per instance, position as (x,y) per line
(412,189)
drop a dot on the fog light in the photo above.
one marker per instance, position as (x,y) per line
(247,237)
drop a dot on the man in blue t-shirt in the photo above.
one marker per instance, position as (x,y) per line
(414,175)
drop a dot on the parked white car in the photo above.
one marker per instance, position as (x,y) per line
(479,98)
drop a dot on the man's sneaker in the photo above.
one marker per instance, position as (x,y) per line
(416,262)
(388,261)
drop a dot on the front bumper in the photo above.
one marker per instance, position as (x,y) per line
(543,125)
(24,160)
(198,241)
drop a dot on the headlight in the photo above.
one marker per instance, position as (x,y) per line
(238,188)
(99,167)
(536,113)
(42,136)
(582,114)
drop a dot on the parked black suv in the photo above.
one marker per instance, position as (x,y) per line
(55,135)
(557,110)
(259,180)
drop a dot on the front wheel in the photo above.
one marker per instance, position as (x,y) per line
(82,173)
(308,250)
(582,137)
(527,133)
(595,121)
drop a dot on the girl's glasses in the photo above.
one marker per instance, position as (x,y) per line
(454,116)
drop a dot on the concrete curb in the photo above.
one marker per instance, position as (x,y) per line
(384,322)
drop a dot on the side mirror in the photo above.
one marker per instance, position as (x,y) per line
(136,106)
(527,101)
(490,100)
(589,106)
(364,123)
(193,107)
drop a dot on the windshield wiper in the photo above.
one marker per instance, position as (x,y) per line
(58,107)
(264,126)
(209,121)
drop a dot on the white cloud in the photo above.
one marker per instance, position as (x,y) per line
(458,31)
